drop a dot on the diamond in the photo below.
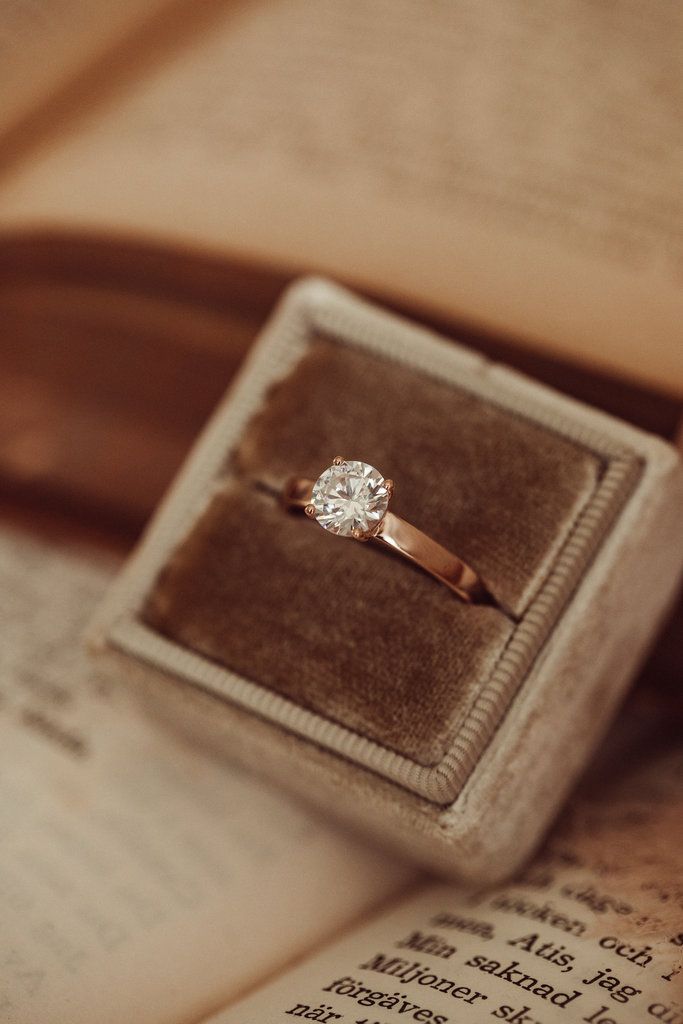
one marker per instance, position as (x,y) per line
(350,497)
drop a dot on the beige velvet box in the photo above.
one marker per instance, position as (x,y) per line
(450,731)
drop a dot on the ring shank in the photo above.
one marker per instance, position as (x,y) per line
(413,544)
(446,567)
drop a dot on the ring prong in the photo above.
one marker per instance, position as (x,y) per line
(359,535)
(338,460)
(310,511)
(389,484)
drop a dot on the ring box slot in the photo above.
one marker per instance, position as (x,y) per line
(345,630)
(346,647)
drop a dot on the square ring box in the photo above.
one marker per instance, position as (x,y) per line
(451,731)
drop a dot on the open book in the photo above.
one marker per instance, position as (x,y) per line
(512,167)
(141,881)
(516,167)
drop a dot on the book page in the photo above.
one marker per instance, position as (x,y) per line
(45,45)
(514,166)
(139,881)
(591,933)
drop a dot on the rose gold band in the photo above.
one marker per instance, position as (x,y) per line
(413,544)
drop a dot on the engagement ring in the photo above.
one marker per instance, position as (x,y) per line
(351,499)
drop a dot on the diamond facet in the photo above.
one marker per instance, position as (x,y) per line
(350,497)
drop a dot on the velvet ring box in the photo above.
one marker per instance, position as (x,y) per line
(451,731)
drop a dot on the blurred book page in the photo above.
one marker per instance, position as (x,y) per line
(44,45)
(139,882)
(589,934)
(518,166)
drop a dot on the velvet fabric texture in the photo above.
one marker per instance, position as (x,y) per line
(345,629)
